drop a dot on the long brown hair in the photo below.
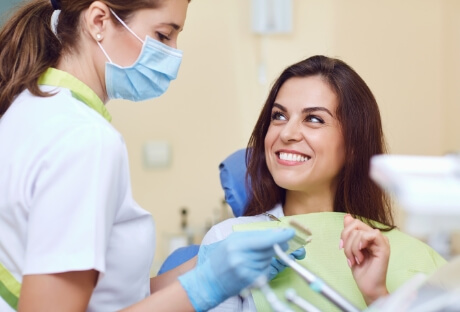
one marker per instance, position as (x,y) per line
(28,46)
(359,116)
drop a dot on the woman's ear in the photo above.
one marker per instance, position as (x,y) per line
(96,20)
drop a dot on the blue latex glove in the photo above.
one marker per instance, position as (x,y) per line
(205,251)
(229,266)
(277,265)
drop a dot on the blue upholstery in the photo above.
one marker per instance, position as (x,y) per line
(232,178)
(179,256)
(233,181)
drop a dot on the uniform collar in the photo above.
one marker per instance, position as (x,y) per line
(80,91)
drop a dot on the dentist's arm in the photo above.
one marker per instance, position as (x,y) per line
(231,266)
(161,281)
(172,298)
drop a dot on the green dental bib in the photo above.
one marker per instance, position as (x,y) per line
(409,256)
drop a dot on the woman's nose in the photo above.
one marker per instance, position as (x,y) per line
(291,132)
(172,44)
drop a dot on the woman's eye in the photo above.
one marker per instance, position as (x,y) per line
(315,119)
(278,116)
(162,37)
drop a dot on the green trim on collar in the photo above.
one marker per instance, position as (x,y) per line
(80,91)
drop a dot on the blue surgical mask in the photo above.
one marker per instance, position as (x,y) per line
(148,77)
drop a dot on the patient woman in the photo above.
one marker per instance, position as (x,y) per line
(309,160)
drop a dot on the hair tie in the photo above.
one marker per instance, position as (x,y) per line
(56,4)
(54,21)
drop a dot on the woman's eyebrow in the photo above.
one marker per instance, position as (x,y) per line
(173,25)
(313,109)
(306,110)
(281,107)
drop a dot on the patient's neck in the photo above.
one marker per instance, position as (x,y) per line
(302,202)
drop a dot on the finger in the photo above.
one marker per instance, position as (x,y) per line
(251,273)
(374,241)
(352,248)
(258,240)
(347,219)
(258,265)
(259,255)
(284,246)
(255,255)
(363,244)
(350,225)
(238,254)
(277,264)
(299,254)
(263,255)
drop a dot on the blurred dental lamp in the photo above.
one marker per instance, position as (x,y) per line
(428,190)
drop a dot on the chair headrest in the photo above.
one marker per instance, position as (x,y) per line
(233,181)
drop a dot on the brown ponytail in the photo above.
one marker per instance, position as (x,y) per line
(27,48)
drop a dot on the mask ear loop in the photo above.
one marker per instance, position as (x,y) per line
(103,51)
(126,26)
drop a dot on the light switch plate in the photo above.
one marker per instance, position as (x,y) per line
(157,154)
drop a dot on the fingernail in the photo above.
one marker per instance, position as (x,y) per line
(349,262)
(341,244)
(357,261)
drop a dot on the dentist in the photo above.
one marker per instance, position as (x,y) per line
(72,238)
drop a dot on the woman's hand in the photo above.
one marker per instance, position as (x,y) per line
(368,252)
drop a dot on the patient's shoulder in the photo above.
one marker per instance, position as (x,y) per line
(410,255)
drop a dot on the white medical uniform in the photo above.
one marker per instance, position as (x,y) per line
(65,195)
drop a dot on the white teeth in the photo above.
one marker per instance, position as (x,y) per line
(293,157)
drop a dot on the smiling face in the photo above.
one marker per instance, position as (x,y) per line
(304,145)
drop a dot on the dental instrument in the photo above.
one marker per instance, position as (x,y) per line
(316,283)
(276,304)
(302,234)
(292,297)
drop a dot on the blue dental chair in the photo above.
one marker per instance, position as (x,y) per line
(232,178)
